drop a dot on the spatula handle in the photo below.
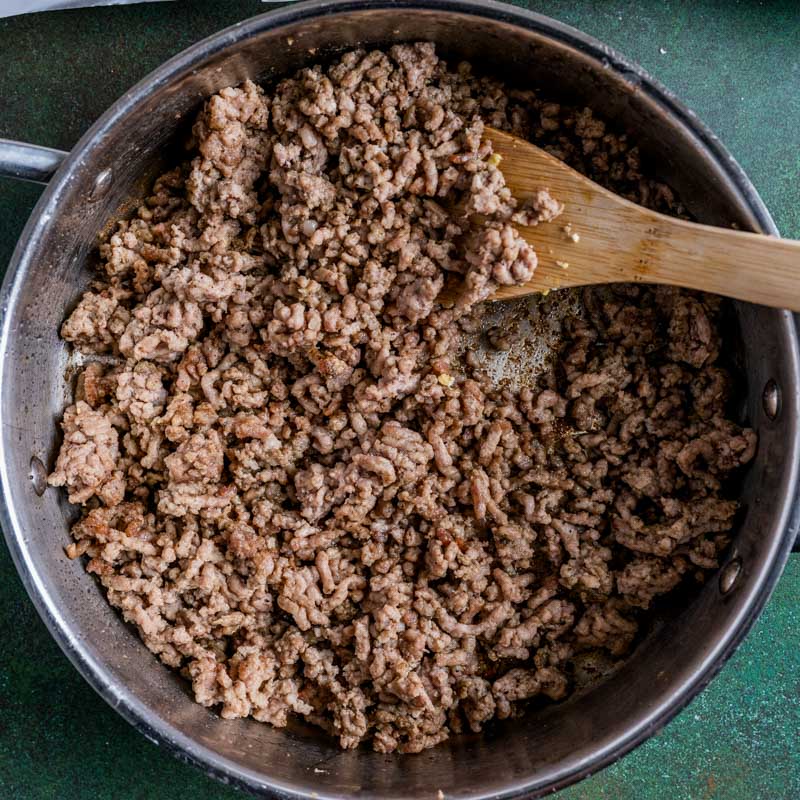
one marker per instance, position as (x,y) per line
(747,266)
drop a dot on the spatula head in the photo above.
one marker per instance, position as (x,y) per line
(577,247)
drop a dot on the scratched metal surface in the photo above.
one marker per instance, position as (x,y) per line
(738,65)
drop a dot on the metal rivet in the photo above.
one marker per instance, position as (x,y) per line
(729,575)
(38,476)
(102,183)
(771,399)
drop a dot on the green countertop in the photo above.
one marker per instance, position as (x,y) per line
(738,65)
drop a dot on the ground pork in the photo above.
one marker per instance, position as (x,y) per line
(292,487)
(88,463)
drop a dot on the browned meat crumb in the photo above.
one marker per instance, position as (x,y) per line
(541,207)
(89,459)
(289,487)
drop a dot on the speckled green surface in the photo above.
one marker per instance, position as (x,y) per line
(738,65)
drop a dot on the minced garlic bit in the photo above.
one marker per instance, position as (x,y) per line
(446,380)
(571,235)
(563,264)
(494,159)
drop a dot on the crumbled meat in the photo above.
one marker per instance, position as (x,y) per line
(88,462)
(97,322)
(291,486)
(540,207)
(140,392)
(161,328)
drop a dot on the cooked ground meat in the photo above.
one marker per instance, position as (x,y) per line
(290,487)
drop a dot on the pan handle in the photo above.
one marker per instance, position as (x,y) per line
(28,162)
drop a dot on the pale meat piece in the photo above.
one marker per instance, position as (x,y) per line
(88,461)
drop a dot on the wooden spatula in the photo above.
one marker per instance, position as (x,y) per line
(602,238)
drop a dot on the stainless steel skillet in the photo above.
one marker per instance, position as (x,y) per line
(112,165)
